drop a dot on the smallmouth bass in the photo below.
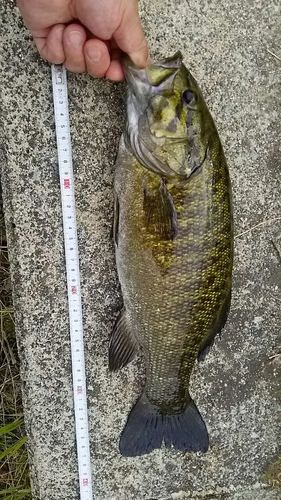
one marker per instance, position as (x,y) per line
(173,233)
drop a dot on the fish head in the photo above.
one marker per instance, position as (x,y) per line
(165,111)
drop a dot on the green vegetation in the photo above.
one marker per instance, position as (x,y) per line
(14,474)
(273,474)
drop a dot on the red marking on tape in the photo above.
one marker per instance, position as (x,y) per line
(74,290)
(79,389)
(66,183)
(85,482)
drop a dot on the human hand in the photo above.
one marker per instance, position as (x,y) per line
(87,35)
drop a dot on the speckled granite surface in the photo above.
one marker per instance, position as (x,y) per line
(237,388)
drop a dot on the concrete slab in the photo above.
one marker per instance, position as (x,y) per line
(237,388)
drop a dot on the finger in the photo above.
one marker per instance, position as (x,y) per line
(115,71)
(130,38)
(50,44)
(97,57)
(74,37)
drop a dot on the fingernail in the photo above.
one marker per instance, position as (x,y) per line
(75,38)
(94,54)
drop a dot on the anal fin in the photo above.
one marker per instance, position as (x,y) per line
(123,344)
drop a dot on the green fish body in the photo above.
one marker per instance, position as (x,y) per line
(173,232)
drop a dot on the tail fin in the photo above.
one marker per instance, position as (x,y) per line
(147,428)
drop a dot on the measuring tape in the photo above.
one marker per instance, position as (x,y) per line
(73,278)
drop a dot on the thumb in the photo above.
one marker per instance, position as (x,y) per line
(130,38)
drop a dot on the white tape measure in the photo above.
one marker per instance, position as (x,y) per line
(73,278)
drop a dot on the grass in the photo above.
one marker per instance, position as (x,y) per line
(14,473)
(273,474)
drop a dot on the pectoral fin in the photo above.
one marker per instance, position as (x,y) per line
(160,211)
(123,344)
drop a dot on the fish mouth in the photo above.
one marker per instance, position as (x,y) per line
(158,75)
(174,62)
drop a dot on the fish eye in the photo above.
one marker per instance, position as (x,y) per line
(188,96)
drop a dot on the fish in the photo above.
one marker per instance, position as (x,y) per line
(173,236)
